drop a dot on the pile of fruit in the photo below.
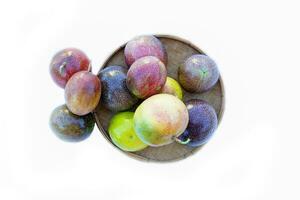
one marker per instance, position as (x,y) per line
(148,105)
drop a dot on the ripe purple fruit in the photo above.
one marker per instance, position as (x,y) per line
(146,77)
(67,62)
(199,73)
(145,45)
(70,127)
(82,93)
(115,94)
(203,122)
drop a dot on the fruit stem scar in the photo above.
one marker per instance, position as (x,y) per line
(183,142)
(203,71)
(62,67)
(90,67)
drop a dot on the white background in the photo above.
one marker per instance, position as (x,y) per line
(254,153)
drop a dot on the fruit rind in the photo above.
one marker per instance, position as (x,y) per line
(122,133)
(159,119)
(70,127)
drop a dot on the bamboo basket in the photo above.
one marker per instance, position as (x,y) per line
(178,50)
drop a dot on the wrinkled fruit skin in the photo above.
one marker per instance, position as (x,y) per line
(203,122)
(172,87)
(146,45)
(82,93)
(199,73)
(160,119)
(70,127)
(67,62)
(115,96)
(122,133)
(146,77)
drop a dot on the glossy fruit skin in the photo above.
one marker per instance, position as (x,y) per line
(172,87)
(199,73)
(145,45)
(160,119)
(70,127)
(122,133)
(146,77)
(67,62)
(82,93)
(203,122)
(115,95)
